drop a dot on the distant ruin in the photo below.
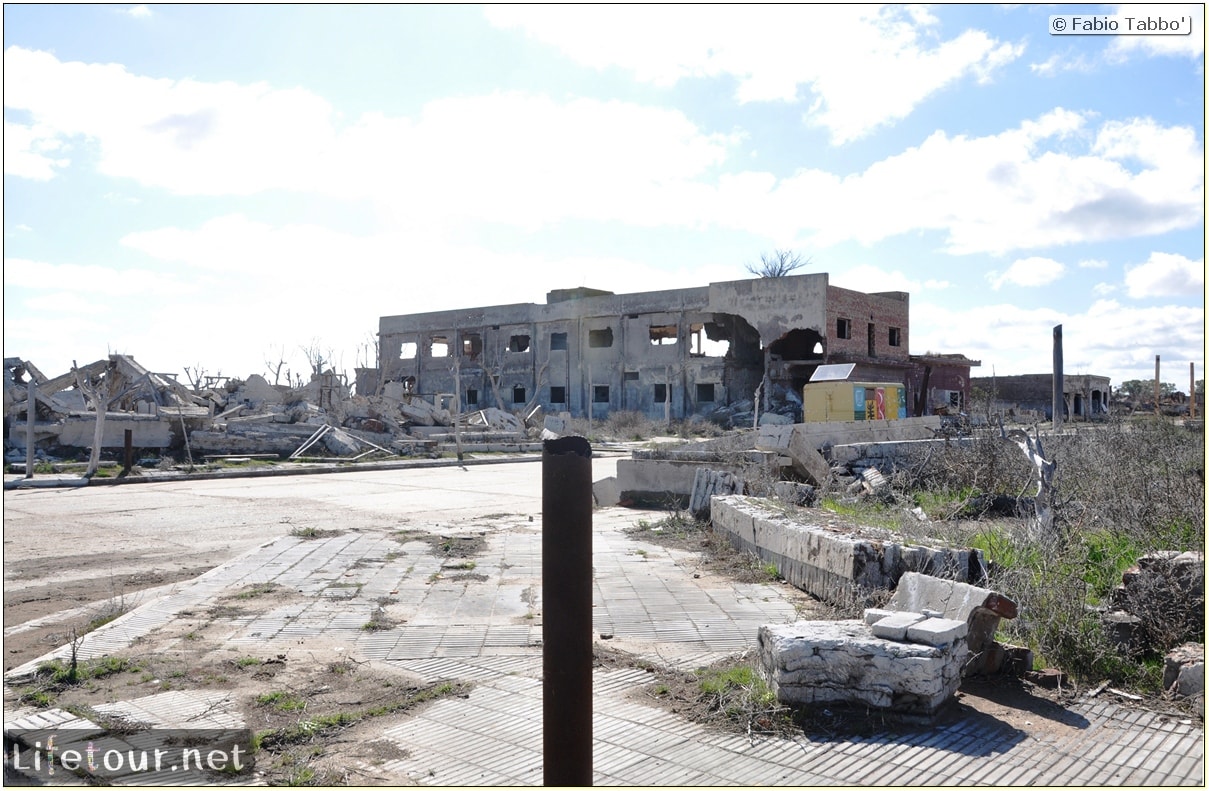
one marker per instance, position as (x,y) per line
(667,354)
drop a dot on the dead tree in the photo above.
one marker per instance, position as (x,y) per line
(1043,502)
(778,263)
(99,397)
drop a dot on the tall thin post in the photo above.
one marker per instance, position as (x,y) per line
(128,448)
(1059,398)
(567,611)
(31,410)
(457,400)
(1191,389)
(1156,384)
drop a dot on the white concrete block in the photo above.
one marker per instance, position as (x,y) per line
(895,627)
(936,631)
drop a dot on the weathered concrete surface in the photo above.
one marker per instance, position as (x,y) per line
(979,607)
(842,661)
(659,483)
(148,431)
(816,435)
(827,562)
(706,484)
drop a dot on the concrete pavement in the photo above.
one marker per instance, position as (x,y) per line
(482,624)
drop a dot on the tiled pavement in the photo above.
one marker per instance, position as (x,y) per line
(479,624)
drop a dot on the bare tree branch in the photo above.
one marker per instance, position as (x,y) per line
(778,263)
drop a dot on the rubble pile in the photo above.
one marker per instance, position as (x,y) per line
(226,416)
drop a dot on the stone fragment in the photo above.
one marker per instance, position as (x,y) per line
(873,615)
(896,626)
(1184,670)
(936,631)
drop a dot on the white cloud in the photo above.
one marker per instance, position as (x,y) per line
(1048,182)
(1166,275)
(1058,63)
(88,279)
(1189,46)
(1028,272)
(139,11)
(866,66)
(1103,289)
(530,161)
(1093,263)
(26,149)
(860,278)
(1109,339)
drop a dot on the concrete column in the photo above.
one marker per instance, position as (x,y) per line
(1059,399)
(31,409)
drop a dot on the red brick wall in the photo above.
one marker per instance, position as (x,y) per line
(858,308)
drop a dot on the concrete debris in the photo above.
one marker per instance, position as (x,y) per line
(1184,672)
(228,416)
(709,482)
(813,662)
(1161,597)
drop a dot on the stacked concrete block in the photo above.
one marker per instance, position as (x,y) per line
(811,662)
(830,563)
(979,609)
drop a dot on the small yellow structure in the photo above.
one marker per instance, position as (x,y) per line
(829,396)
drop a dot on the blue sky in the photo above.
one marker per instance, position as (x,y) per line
(217,186)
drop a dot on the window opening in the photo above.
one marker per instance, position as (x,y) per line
(600,339)
(518,343)
(439,346)
(600,394)
(558,341)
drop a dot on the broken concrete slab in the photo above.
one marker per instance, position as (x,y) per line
(980,608)
(807,461)
(937,631)
(1184,671)
(810,662)
(605,492)
(710,482)
(894,626)
(829,563)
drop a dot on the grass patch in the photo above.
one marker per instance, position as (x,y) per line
(281,700)
(257,589)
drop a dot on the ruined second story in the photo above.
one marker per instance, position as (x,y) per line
(671,353)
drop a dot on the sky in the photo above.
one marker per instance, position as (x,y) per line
(222,187)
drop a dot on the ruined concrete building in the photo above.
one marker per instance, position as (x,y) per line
(667,354)
(1083,395)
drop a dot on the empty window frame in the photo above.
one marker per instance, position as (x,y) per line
(600,394)
(843,328)
(518,343)
(558,395)
(439,346)
(558,341)
(701,345)
(472,397)
(600,339)
(518,394)
(705,393)
(660,394)
(472,345)
(631,376)
(896,336)
(663,334)
(407,350)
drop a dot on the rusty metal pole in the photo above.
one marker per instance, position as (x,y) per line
(128,458)
(1059,381)
(567,611)
(1192,390)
